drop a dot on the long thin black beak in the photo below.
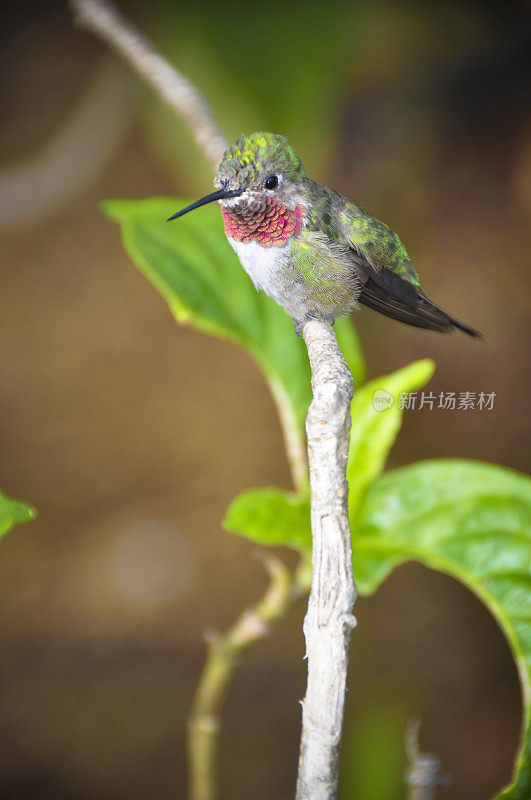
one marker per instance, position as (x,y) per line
(221,194)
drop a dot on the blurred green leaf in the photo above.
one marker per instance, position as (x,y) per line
(13,512)
(472,521)
(271,517)
(350,346)
(467,519)
(374,431)
(194,268)
(373,757)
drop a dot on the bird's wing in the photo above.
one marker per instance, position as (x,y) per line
(386,277)
(376,246)
(375,242)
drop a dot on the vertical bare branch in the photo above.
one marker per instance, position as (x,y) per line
(104,20)
(329,621)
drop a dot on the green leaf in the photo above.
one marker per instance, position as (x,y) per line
(373,758)
(374,431)
(472,521)
(350,346)
(194,268)
(467,519)
(271,517)
(13,512)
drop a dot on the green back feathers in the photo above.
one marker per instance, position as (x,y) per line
(252,158)
(378,243)
(347,224)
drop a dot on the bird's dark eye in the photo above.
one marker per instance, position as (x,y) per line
(271,182)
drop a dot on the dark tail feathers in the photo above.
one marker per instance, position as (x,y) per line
(401,300)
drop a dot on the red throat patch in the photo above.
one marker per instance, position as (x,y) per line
(270,225)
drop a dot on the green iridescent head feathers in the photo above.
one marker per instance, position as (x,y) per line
(252,158)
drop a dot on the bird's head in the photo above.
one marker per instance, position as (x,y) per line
(255,168)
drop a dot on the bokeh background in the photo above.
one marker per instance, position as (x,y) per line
(131,435)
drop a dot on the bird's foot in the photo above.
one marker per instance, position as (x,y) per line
(300,325)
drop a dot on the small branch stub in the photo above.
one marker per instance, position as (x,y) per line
(423,775)
(329,621)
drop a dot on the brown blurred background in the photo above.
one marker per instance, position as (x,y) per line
(131,435)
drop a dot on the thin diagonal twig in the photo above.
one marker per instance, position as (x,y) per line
(105,21)
(176,91)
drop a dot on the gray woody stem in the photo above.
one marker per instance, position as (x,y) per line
(329,621)
(175,90)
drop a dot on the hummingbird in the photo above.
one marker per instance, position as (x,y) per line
(314,252)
